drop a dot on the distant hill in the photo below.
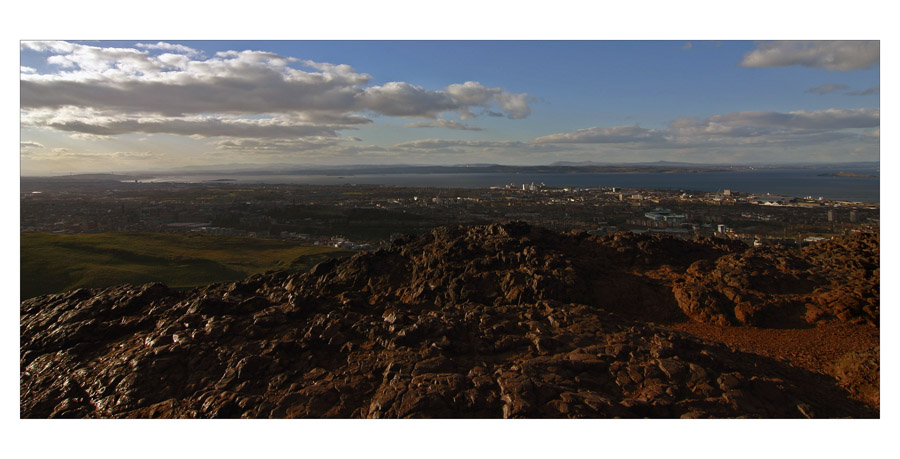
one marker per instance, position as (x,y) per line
(848,174)
(556,167)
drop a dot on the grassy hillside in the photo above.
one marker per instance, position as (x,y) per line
(53,263)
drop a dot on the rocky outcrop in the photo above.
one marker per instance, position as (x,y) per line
(766,287)
(860,374)
(494,321)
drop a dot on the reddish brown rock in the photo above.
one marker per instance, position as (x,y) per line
(769,287)
(494,321)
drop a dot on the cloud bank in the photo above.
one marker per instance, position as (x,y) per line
(827,88)
(831,55)
(29,144)
(738,128)
(697,139)
(171,88)
(443,124)
(615,134)
(868,92)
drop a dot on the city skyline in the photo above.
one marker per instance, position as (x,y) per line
(151,105)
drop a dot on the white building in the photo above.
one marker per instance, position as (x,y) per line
(660,214)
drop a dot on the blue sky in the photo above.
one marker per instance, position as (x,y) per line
(148,105)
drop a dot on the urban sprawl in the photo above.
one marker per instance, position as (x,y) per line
(366,217)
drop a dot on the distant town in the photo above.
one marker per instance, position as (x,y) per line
(366,217)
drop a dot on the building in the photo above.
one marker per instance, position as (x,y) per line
(660,214)
(771,199)
(831,216)
(811,240)
(854,216)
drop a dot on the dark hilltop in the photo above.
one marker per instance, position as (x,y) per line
(498,321)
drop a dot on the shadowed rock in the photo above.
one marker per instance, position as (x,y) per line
(492,321)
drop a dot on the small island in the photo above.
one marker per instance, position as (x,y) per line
(846,174)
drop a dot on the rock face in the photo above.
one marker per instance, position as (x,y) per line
(493,321)
(859,373)
(837,279)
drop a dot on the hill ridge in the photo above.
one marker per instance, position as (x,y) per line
(503,320)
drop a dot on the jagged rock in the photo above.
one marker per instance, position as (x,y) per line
(504,320)
(834,280)
(860,373)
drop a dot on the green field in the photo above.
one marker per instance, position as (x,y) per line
(52,263)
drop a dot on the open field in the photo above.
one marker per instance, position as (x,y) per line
(52,263)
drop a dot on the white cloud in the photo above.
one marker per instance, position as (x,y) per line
(457,146)
(444,143)
(236,82)
(868,92)
(830,119)
(174,61)
(98,60)
(346,73)
(29,144)
(64,154)
(473,93)
(171,47)
(403,99)
(219,127)
(827,88)
(614,134)
(131,90)
(99,123)
(142,155)
(515,105)
(442,123)
(291,149)
(45,46)
(275,145)
(247,83)
(831,55)
(88,137)
(406,100)
(739,128)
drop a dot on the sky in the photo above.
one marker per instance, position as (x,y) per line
(101,106)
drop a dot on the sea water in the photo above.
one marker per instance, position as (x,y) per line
(786,182)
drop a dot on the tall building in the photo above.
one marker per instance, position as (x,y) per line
(831,215)
(854,216)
